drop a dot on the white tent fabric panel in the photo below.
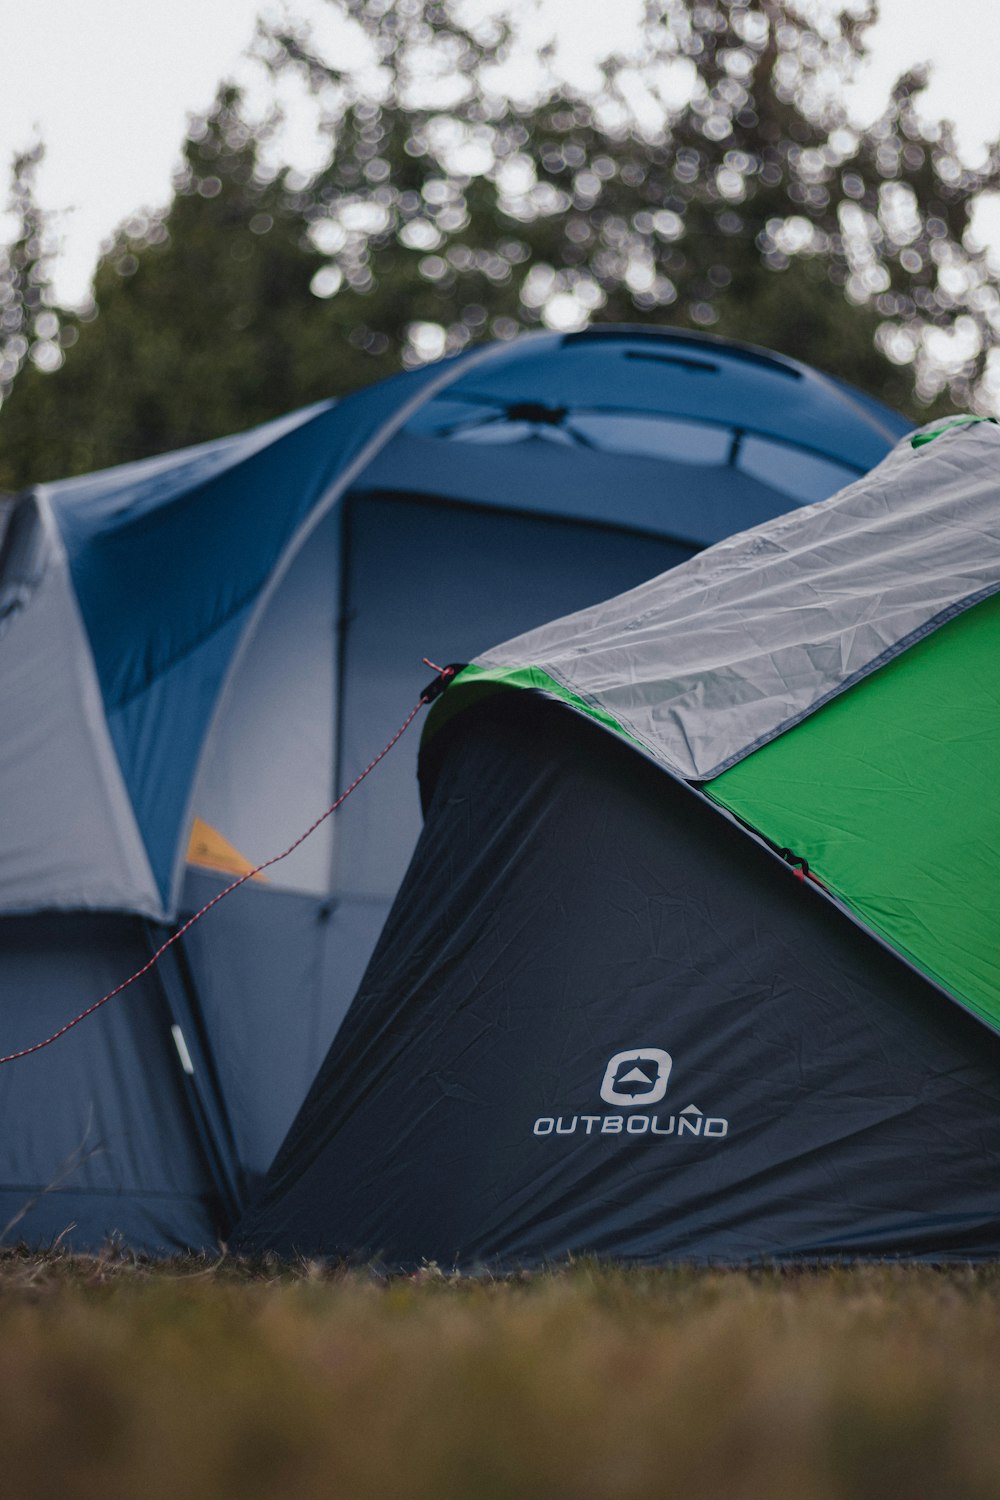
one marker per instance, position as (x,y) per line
(267,770)
(68,836)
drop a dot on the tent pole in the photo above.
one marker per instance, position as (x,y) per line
(200,1077)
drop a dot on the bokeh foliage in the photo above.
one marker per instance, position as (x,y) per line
(713,181)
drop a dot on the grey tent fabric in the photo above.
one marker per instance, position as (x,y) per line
(69,834)
(707,662)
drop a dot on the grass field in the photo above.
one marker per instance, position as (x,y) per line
(199,1381)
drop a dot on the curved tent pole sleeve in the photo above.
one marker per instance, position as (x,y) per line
(338,487)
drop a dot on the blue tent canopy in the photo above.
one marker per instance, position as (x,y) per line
(671,434)
(230,632)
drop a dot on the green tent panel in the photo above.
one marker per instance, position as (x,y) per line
(890,792)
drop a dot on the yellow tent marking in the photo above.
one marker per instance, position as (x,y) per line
(208,847)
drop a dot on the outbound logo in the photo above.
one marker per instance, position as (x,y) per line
(636,1077)
(635,1080)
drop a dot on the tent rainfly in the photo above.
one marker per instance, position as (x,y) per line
(699,953)
(198,650)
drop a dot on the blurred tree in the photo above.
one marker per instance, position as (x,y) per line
(33,331)
(712,182)
(201,311)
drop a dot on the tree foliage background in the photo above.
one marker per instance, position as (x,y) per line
(713,181)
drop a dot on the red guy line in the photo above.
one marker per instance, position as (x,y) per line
(445,675)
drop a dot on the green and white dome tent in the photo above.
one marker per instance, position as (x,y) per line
(832,678)
(604,1016)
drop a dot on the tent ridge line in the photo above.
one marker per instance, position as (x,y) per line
(824,892)
(304,415)
(889,654)
(875,415)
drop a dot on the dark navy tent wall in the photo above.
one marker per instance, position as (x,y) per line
(572,912)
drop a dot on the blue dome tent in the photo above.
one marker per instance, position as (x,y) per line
(198,649)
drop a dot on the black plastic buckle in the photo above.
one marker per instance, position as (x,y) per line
(445,676)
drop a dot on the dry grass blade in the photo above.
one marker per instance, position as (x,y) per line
(218,1378)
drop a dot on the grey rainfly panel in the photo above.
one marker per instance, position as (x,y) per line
(712,659)
(68,836)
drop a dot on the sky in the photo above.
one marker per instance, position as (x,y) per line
(109,85)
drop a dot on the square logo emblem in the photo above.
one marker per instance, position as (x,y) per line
(637,1077)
